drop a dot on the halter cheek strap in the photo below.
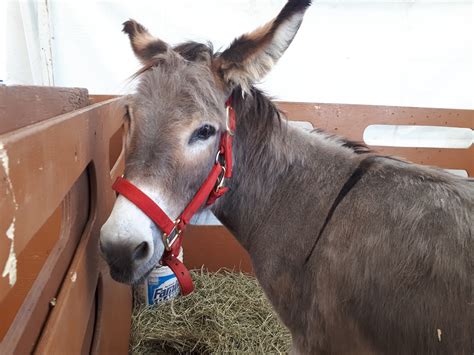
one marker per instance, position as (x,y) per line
(208,193)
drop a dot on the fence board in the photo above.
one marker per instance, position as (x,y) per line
(350,121)
(215,248)
(21,106)
(38,155)
(26,327)
(40,163)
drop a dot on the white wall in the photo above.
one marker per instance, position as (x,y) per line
(17,60)
(410,53)
(24,51)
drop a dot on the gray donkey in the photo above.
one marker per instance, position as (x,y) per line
(357,252)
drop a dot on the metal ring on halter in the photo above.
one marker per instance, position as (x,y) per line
(227,121)
(220,180)
(218,155)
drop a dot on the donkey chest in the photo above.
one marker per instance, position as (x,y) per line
(286,291)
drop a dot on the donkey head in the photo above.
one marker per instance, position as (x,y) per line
(176,118)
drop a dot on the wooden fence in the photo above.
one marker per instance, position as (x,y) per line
(55,178)
(60,150)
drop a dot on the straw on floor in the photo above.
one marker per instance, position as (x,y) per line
(226,313)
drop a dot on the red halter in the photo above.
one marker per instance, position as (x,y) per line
(208,193)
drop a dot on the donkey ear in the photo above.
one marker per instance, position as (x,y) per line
(251,56)
(144,45)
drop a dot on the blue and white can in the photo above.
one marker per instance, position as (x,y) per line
(161,285)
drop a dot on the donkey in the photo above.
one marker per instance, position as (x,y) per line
(357,252)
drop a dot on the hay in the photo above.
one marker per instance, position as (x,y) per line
(227,313)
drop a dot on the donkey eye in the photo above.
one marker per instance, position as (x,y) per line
(202,133)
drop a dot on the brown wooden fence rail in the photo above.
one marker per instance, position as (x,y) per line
(59,152)
(54,196)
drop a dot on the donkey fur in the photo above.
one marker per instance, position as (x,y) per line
(358,253)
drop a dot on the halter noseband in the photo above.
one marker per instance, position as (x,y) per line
(208,193)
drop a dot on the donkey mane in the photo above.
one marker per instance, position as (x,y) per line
(193,51)
(355,146)
(190,50)
(258,104)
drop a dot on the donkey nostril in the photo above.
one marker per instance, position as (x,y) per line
(141,251)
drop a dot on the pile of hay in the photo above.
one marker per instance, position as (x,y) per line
(226,313)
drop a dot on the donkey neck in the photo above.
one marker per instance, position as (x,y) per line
(280,171)
(285,181)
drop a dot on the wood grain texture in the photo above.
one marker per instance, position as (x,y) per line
(99,98)
(114,307)
(76,298)
(21,106)
(350,121)
(214,247)
(53,154)
(32,260)
(30,318)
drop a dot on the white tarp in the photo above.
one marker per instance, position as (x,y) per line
(405,52)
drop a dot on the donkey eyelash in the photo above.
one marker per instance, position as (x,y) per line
(202,133)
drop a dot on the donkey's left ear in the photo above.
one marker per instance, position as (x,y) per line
(251,56)
(144,45)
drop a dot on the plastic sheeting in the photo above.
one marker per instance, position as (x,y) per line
(404,53)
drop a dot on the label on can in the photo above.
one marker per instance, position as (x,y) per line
(161,287)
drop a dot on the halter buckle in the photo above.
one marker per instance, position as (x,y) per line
(220,180)
(169,240)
